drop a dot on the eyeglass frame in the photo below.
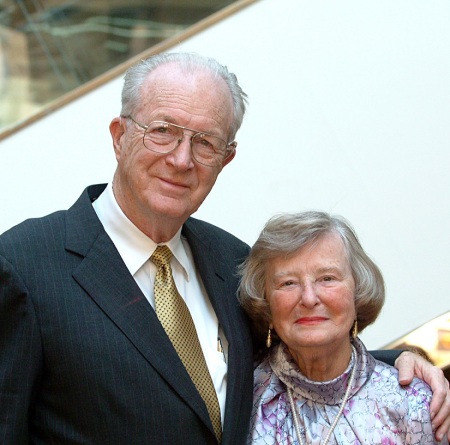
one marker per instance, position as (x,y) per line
(230,151)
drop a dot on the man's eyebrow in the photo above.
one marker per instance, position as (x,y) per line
(171,120)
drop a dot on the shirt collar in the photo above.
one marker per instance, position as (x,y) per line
(133,245)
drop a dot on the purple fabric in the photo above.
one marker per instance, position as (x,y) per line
(379,410)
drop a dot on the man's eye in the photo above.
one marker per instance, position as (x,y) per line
(203,142)
(162,130)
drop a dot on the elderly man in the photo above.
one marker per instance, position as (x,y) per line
(119,322)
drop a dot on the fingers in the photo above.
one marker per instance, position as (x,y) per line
(409,364)
(443,430)
(440,411)
(440,402)
(405,364)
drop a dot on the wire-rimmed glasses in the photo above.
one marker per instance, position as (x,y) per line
(163,137)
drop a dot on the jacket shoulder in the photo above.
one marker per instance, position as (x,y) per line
(50,230)
(214,236)
(202,227)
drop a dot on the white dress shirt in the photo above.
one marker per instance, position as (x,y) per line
(136,248)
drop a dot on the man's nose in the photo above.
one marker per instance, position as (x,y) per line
(181,155)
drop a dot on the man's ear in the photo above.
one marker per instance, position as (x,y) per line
(231,156)
(117,130)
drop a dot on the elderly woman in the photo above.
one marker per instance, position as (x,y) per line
(309,287)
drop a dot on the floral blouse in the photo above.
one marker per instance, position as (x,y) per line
(379,410)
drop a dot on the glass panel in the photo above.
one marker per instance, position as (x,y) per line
(50,47)
(431,339)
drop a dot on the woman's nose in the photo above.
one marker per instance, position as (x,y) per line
(309,295)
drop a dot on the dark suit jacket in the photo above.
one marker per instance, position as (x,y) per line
(83,357)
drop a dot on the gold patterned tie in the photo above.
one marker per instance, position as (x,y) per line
(177,321)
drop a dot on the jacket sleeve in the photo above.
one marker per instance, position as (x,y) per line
(20,355)
(387,355)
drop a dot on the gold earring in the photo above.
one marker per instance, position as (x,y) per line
(355,329)
(269,337)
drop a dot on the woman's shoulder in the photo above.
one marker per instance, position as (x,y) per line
(266,384)
(263,374)
(384,383)
(387,373)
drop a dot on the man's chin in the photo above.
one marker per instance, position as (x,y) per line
(173,209)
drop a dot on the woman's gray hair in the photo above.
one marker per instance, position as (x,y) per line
(136,76)
(283,236)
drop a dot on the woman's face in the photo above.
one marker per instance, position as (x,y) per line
(311,296)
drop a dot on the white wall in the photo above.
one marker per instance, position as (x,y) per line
(349,112)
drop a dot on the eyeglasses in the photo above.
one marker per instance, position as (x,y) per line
(163,137)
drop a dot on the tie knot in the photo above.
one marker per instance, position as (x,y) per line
(162,256)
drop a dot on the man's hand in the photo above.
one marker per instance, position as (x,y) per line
(410,365)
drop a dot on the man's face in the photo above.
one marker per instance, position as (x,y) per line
(165,189)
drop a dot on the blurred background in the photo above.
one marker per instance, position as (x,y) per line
(349,111)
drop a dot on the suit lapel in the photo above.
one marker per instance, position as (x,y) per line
(221,283)
(104,276)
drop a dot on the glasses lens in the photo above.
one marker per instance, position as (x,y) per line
(208,150)
(162,137)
